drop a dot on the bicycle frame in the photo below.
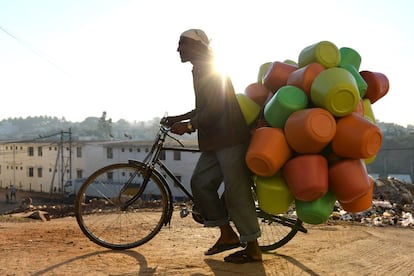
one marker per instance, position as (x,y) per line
(152,160)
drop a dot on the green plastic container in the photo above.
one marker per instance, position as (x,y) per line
(317,211)
(350,56)
(287,100)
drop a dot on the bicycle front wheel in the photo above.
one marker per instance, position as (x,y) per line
(107,215)
(277,230)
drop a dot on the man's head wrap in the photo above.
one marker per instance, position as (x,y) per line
(198,35)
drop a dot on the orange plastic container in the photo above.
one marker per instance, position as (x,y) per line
(317,211)
(335,89)
(350,56)
(257,92)
(378,85)
(348,179)
(273,194)
(325,53)
(268,151)
(310,130)
(356,137)
(307,176)
(287,100)
(277,74)
(303,77)
(362,203)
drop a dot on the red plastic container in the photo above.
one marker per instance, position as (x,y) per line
(307,176)
(310,130)
(356,137)
(277,74)
(362,203)
(258,93)
(304,77)
(378,85)
(348,179)
(268,151)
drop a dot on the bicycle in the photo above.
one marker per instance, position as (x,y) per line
(124,205)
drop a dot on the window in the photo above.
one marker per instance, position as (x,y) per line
(122,149)
(79,173)
(130,149)
(110,175)
(177,155)
(162,155)
(79,152)
(39,172)
(39,151)
(31,172)
(109,153)
(30,151)
(138,149)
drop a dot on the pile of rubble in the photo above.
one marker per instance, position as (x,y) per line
(393,204)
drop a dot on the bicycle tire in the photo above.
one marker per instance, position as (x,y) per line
(277,230)
(103,219)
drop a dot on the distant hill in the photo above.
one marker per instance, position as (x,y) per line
(395,157)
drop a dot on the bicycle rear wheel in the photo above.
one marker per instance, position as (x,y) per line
(104,217)
(277,230)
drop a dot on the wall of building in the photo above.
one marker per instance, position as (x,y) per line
(49,175)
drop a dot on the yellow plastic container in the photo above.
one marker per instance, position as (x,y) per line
(361,83)
(249,108)
(273,194)
(336,90)
(262,71)
(325,53)
(368,112)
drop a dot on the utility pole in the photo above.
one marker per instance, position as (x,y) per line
(70,153)
(62,159)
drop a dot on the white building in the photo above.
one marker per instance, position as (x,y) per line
(46,166)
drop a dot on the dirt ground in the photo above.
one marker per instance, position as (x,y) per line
(58,247)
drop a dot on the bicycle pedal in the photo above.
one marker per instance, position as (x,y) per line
(184,212)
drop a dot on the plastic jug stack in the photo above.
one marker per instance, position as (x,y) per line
(317,132)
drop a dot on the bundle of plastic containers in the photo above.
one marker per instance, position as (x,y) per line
(318,132)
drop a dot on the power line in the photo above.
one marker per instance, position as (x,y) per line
(31,48)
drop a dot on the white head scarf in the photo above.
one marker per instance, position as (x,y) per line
(198,35)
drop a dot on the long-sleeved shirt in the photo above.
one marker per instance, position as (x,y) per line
(217,115)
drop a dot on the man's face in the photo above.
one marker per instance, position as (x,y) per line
(187,48)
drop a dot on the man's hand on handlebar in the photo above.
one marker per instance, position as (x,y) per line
(168,121)
(180,128)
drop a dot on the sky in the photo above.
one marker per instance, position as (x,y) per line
(74,59)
